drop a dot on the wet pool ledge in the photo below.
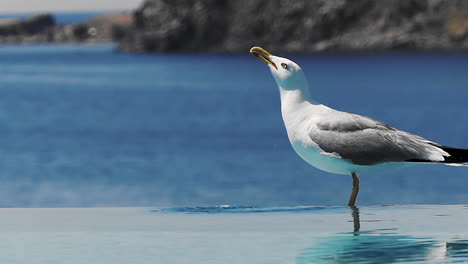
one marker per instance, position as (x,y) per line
(236,234)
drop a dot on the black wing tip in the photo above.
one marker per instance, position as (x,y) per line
(457,155)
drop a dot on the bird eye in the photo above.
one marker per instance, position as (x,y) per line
(284,65)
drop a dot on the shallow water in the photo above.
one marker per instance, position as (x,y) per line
(228,234)
(84,126)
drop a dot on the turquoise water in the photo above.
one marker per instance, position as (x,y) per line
(85,126)
(280,235)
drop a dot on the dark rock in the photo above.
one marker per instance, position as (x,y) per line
(297,25)
(177,25)
(33,25)
(80,32)
(118,32)
(37,24)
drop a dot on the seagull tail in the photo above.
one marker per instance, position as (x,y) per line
(457,157)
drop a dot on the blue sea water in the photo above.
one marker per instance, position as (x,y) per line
(86,126)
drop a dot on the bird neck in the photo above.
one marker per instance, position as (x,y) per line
(293,98)
(296,105)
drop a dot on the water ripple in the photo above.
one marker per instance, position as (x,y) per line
(231,209)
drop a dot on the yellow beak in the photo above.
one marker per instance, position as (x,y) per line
(262,55)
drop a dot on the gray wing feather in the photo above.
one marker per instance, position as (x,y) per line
(365,141)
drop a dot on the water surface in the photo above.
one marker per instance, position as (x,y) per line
(391,234)
(85,126)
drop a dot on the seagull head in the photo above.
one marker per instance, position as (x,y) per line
(287,73)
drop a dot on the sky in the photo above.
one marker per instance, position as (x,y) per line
(36,6)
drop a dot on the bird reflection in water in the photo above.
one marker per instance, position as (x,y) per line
(356,219)
(382,246)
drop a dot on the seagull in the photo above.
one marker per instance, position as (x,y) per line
(345,143)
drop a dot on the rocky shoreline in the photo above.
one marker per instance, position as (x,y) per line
(298,25)
(42,28)
(280,25)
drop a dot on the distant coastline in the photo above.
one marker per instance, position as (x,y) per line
(237,25)
(63,17)
(62,28)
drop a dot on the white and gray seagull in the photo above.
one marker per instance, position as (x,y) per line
(345,143)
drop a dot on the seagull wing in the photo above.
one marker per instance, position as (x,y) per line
(365,141)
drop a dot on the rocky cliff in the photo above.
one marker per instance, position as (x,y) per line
(297,25)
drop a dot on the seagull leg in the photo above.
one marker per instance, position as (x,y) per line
(355,191)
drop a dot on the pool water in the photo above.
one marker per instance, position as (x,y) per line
(230,234)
